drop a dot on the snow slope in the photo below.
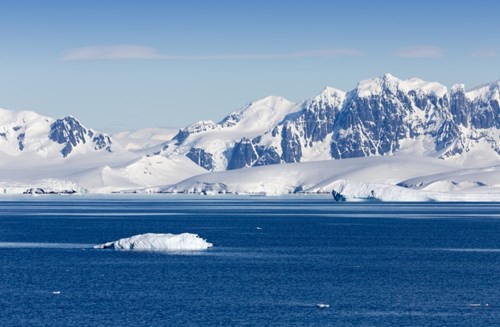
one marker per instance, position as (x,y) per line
(390,178)
(148,171)
(145,140)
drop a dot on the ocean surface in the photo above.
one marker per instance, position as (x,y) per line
(273,261)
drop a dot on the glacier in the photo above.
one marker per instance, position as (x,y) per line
(389,178)
(158,243)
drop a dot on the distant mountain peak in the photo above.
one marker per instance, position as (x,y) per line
(388,83)
(28,132)
(266,111)
(489,91)
(70,132)
(330,95)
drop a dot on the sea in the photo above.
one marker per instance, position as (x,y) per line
(276,261)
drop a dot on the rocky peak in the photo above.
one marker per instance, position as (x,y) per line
(70,132)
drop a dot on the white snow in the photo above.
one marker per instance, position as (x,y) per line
(158,242)
(148,171)
(416,84)
(35,128)
(357,179)
(485,92)
(145,140)
(260,116)
(373,86)
(330,97)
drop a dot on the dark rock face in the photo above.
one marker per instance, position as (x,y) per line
(318,120)
(375,125)
(230,120)
(447,134)
(268,156)
(290,144)
(181,136)
(487,111)
(71,132)
(42,191)
(459,106)
(485,114)
(67,131)
(102,142)
(20,141)
(201,158)
(244,154)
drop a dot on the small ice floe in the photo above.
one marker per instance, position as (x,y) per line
(56,292)
(479,305)
(159,242)
(259,228)
(322,305)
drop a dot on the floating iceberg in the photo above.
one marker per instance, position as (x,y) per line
(159,242)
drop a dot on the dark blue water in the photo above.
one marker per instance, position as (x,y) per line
(376,264)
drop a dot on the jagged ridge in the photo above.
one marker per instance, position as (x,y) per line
(381,116)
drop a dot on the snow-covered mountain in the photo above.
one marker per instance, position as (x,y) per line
(452,132)
(229,143)
(63,155)
(28,132)
(381,116)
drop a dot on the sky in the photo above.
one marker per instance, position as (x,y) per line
(121,65)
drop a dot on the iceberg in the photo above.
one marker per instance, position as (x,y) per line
(158,242)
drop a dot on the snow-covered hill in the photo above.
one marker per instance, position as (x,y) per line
(388,178)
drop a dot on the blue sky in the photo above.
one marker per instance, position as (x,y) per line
(129,64)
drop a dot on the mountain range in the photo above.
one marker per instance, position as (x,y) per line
(384,116)
(381,116)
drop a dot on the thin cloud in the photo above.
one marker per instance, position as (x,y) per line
(118,52)
(420,51)
(485,53)
(112,52)
(302,54)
